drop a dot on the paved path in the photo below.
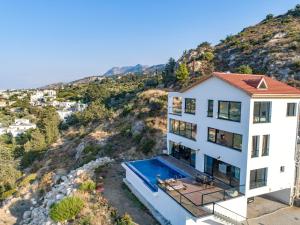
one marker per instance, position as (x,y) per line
(284,216)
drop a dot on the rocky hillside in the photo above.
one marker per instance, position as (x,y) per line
(137,69)
(270,47)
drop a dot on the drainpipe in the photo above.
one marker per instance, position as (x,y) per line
(296,190)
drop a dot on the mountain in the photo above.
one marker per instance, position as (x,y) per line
(137,69)
(270,47)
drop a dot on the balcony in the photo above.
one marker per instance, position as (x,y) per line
(199,193)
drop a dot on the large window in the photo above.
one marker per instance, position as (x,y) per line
(291,109)
(262,112)
(255,146)
(229,111)
(177,105)
(225,138)
(190,105)
(185,129)
(226,172)
(265,145)
(210,108)
(183,153)
(258,178)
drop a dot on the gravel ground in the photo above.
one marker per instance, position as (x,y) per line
(122,199)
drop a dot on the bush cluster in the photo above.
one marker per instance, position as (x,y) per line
(66,209)
(88,186)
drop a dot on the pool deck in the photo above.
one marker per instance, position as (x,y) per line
(193,195)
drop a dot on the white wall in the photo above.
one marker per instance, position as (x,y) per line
(166,206)
(282,131)
(214,89)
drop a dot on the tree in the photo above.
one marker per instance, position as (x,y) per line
(168,74)
(269,16)
(244,69)
(49,124)
(37,142)
(182,73)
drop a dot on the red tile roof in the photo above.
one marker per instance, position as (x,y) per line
(249,84)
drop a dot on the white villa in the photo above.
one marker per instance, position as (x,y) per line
(39,97)
(231,137)
(20,126)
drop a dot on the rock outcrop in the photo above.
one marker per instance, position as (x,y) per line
(65,186)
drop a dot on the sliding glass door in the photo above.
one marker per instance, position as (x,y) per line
(183,153)
(229,174)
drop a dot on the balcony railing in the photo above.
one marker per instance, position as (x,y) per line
(195,201)
(208,205)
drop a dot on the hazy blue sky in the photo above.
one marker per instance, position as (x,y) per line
(49,41)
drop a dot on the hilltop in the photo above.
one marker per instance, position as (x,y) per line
(270,47)
(137,69)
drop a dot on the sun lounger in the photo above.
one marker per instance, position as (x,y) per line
(175,187)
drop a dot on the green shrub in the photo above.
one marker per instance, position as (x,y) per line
(28,180)
(125,220)
(86,220)
(146,145)
(209,56)
(66,209)
(91,149)
(7,194)
(88,186)
(137,138)
(244,69)
(29,158)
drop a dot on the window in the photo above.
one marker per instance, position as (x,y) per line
(282,168)
(255,146)
(190,105)
(177,105)
(225,138)
(291,109)
(265,146)
(229,111)
(210,108)
(211,134)
(258,178)
(185,129)
(237,141)
(262,112)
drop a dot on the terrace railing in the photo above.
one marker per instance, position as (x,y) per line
(208,200)
(228,215)
(185,202)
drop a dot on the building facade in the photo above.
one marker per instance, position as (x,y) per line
(240,131)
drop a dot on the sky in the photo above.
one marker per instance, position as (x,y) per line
(43,42)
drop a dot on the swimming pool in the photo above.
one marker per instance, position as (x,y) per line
(151,169)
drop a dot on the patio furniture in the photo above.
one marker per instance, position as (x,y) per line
(178,186)
(170,181)
(232,193)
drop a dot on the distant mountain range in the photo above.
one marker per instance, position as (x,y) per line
(137,69)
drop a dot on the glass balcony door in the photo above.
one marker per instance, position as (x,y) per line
(183,153)
(225,172)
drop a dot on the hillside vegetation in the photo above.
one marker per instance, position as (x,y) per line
(270,47)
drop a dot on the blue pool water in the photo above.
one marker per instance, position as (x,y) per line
(148,170)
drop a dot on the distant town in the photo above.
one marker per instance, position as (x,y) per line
(37,98)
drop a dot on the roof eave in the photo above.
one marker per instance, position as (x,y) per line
(275,96)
